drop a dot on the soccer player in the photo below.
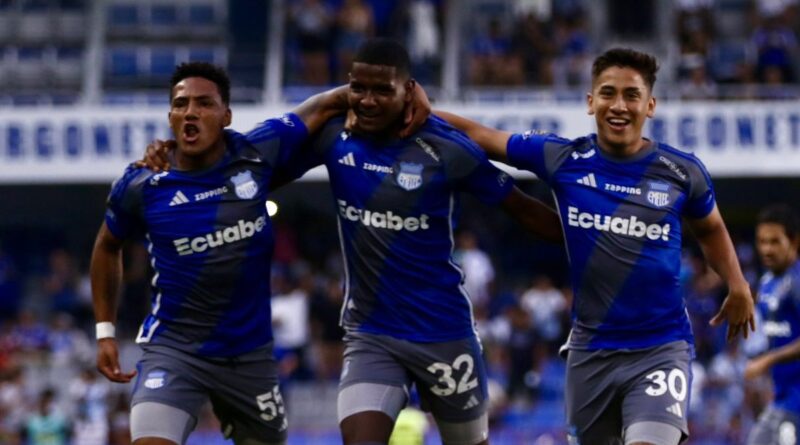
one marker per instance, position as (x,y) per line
(777,241)
(406,315)
(208,335)
(621,198)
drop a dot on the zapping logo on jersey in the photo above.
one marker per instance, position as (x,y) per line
(382,220)
(241,230)
(630,226)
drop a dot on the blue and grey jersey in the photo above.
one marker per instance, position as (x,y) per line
(397,206)
(779,304)
(210,242)
(622,225)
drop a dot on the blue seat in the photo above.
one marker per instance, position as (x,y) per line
(162,61)
(163,15)
(202,14)
(123,14)
(123,62)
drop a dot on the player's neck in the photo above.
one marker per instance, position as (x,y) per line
(205,159)
(623,151)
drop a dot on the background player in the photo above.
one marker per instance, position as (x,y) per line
(621,198)
(208,335)
(777,241)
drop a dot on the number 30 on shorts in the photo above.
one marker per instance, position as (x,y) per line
(674,382)
(447,384)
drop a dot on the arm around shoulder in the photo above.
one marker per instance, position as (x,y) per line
(492,141)
(319,108)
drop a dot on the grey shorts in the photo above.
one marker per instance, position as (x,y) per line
(243,391)
(450,376)
(610,390)
(775,427)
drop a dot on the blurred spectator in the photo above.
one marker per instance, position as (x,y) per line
(417,23)
(13,406)
(29,334)
(355,23)
(290,326)
(90,394)
(492,59)
(535,44)
(695,83)
(572,66)
(477,268)
(119,420)
(46,426)
(777,49)
(311,22)
(60,282)
(545,304)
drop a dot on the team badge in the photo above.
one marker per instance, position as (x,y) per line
(658,193)
(410,175)
(246,187)
(155,379)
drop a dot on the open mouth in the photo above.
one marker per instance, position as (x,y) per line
(617,123)
(190,133)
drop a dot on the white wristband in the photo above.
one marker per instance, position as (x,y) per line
(104,329)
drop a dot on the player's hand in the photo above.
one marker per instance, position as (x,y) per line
(108,361)
(156,157)
(351,120)
(756,367)
(739,311)
(416,112)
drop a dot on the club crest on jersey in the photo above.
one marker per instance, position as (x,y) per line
(658,193)
(410,175)
(246,186)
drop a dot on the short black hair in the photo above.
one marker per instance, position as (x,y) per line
(783,215)
(383,51)
(207,71)
(644,63)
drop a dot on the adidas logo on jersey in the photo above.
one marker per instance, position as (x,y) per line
(348,159)
(630,226)
(675,408)
(241,230)
(588,180)
(178,199)
(471,403)
(382,220)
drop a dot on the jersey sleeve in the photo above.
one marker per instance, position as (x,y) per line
(276,139)
(470,168)
(701,199)
(123,215)
(534,151)
(311,153)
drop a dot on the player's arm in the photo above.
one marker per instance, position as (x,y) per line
(492,141)
(762,364)
(534,215)
(737,308)
(319,108)
(106,275)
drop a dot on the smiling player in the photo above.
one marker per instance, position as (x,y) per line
(621,198)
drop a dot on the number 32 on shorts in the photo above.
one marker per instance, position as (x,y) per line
(674,382)
(447,384)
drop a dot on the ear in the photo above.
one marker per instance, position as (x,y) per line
(651,107)
(409,87)
(228,117)
(589,103)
